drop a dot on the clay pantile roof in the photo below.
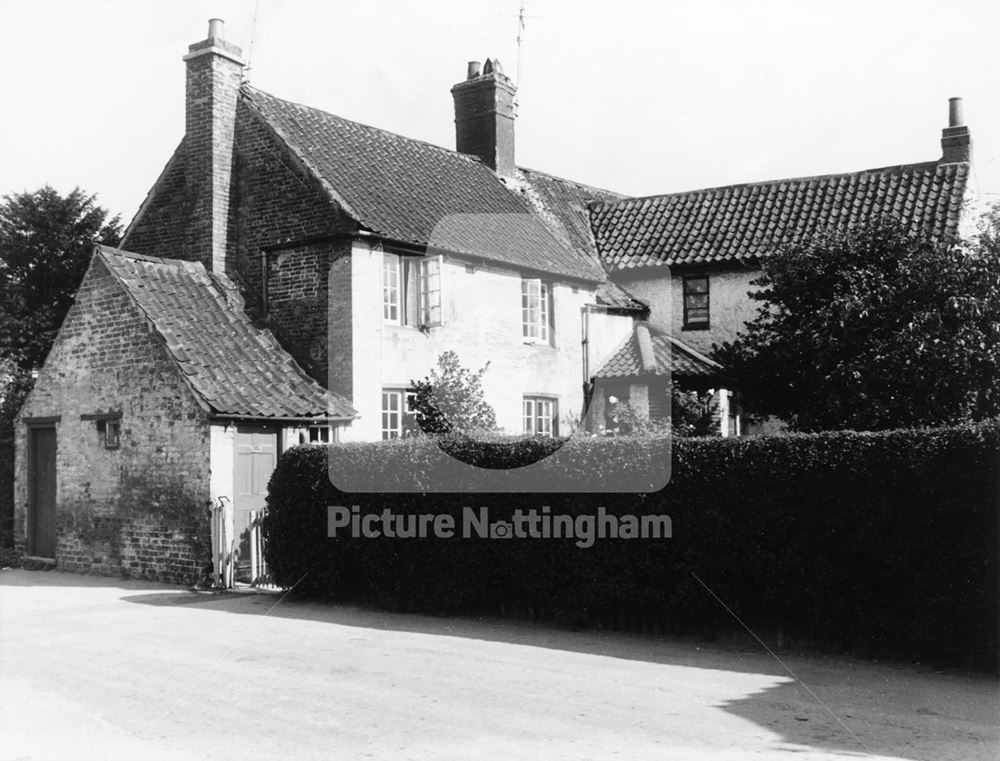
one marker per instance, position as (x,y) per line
(745,222)
(565,205)
(650,351)
(235,368)
(614,295)
(411,191)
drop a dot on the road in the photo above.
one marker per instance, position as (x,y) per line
(97,668)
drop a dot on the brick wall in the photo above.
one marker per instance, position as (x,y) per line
(139,510)
(298,282)
(340,324)
(272,201)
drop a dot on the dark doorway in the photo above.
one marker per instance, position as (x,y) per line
(42,491)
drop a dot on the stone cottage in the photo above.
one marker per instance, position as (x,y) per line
(287,277)
(291,272)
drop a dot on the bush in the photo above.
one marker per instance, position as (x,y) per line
(451,399)
(876,543)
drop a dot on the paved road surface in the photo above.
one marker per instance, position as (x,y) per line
(94,668)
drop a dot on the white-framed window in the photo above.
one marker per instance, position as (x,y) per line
(398,419)
(317,435)
(390,288)
(541,416)
(430,291)
(536,297)
(411,290)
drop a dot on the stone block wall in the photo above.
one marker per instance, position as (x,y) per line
(141,509)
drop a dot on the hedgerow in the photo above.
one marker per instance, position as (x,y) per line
(875,543)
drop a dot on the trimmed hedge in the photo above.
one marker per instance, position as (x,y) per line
(882,544)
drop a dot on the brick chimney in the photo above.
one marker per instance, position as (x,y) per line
(484,116)
(956,142)
(214,74)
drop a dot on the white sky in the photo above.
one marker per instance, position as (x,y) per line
(638,97)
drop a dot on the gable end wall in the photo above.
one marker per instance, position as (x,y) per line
(139,510)
(274,201)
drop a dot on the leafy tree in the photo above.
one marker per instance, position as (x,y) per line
(874,328)
(450,399)
(46,241)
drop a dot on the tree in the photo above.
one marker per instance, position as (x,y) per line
(46,241)
(450,399)
(873,328)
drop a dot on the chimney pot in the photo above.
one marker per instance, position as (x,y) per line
(955,118)
(484,116)
(216,26)
(956,142)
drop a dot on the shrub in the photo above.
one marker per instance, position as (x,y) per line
(451,399)
(876,543)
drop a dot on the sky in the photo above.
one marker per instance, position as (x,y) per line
(638,97)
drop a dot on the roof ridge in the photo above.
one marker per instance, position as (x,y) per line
(464,156)
(577,183)
(125,254)
(891,169)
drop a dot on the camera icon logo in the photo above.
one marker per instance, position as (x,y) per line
(501,530)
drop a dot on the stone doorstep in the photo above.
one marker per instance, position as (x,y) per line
(35,563)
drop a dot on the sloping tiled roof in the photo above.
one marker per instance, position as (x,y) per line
(650,351)
(612,294)
(403,189)
(564,204)
(743,222)
(235,368)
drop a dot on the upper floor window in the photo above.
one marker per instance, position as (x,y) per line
(536,303)
(398,419)
(411,290)
(696,301)
(541,416)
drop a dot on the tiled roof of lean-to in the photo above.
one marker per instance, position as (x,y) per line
(235,368)
(403,189)
(650,351)
(743,222)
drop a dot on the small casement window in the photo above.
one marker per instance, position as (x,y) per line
(411,290)
(536,311)
(696,301)
(398,417)
(317,435)
(109,432)
(541,416)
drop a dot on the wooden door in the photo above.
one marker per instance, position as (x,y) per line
(256,457)
(42,491)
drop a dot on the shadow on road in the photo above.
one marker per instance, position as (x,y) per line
(892,710)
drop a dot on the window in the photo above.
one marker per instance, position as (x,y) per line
(398,419)
(109,432)
(316,434)
(541,416)
(696,302)
(535,311)
(411,290)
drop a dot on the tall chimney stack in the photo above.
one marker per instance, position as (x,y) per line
(484,116)
(214,74)
(956,142)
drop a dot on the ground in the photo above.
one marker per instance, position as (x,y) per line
(97,668)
